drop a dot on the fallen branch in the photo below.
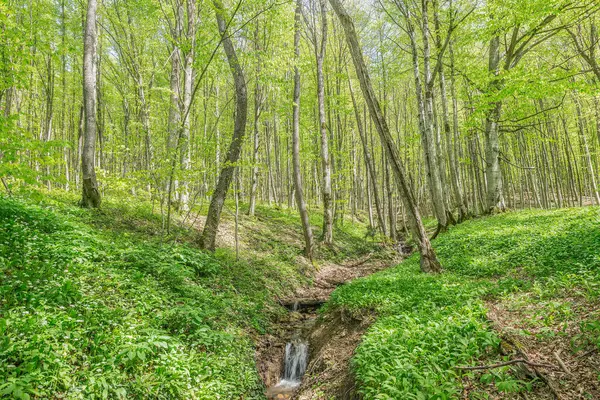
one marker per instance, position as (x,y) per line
(563,366)
(520,350)
(512,362)
(358,264)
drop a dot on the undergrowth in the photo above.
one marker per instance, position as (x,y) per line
(99,304)
(429,324)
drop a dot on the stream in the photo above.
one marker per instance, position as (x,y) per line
(295,362)
(296,355)
(284,356)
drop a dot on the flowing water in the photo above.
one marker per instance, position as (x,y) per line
(294,363)
(296,358)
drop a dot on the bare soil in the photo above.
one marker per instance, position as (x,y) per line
(333,342)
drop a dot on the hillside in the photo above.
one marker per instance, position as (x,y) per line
(101,304)
(522,285)
(104,304)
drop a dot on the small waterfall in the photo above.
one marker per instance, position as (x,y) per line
(295,363)
(296,358)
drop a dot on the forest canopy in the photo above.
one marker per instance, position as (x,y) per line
(490,105)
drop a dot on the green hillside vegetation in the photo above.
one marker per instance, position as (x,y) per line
(100,305)
(428,325)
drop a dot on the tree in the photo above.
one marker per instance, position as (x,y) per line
(209,234)
(429,262)
(188,87)
(306,228)
(320,48)
(524,37)
(258,102)
(425,102)
(91,194)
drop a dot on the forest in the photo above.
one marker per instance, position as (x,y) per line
(300,199)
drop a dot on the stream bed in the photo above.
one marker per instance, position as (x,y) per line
(296,354)
(303,353)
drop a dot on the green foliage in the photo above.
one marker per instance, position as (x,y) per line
(430,324)
(98,304)
(93,314)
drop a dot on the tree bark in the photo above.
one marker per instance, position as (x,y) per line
(91,194)
(207,239)
(429,129)
(453,143)
(188,83)
(308,236)
(495,197)
(257,112)
(425,112)
(429,262)
(586,153)
(369,163)
(325,161)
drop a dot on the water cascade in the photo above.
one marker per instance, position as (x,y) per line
(296,358)
(295,362)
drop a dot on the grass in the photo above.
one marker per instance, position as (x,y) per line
(427,325)
(100,304)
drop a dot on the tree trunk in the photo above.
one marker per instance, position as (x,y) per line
(207,239)
(91,194)
(429,262)
(425,112)
(495,197)
(257,112)
(308,236)
(325,160)
(453,144)
(429,130)
(586,153)
(369,163)
(188,83)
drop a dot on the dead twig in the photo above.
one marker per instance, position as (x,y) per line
(587,353)
(503,364)
(513,342)
(563,366)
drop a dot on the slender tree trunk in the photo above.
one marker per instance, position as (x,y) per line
(207,239)
(429,262)
(390,205)
(430,130)
(325,158)
(453,144)
(174,121)
(257,112)
(91,194)
(308,235)
(587,155)
(188,83)
(495,196)
(369,163)
(425,112)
